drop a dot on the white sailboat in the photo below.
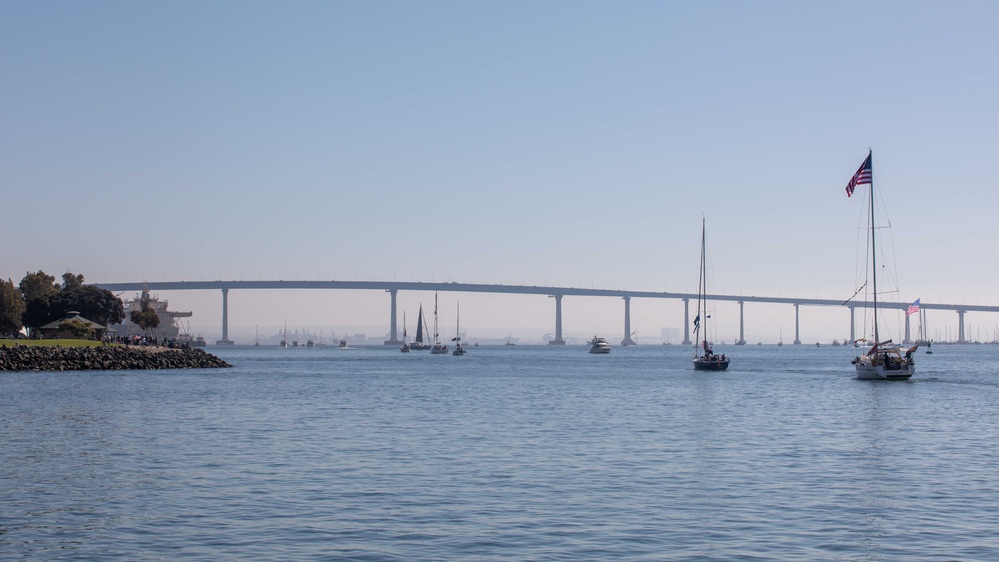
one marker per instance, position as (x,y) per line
(458,349)
(438,348)
(405,336)
(884,360)
(705,359)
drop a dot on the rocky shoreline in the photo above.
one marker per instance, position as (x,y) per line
(112,358)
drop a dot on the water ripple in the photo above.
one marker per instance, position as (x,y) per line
(507,453)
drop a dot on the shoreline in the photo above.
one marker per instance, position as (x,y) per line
(105,358)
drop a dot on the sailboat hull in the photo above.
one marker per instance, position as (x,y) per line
(880,373)
(710,365)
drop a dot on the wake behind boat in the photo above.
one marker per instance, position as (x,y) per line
(884,360)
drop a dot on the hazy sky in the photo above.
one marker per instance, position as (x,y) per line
(570,143)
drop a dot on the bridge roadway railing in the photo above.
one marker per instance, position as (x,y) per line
(557,292)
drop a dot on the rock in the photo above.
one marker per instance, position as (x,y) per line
(113,357)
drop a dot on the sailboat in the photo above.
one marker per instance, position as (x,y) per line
(780,342)
(708,361)
(405,344)
(418,344)
(923,333)
(929,342)
(438,348)
(884,360)
(458,350)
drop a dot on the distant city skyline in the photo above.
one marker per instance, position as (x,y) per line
(559,143)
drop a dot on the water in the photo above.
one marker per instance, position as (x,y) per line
(507,453)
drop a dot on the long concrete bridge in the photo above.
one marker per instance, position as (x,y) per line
(393,288)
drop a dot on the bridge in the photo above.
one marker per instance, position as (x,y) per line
(393,288)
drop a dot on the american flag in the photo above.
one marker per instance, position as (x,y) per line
(913,308)
(863,175)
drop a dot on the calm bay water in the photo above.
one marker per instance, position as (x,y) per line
(506,453)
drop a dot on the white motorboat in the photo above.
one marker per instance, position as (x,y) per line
(599,345)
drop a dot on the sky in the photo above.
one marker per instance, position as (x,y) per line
(542,143)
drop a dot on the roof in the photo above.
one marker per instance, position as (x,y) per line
(55,325)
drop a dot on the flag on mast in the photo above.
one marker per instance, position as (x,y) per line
(913,308)
(863,175)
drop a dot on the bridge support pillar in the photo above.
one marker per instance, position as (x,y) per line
(393,326)
(742,331)
(906,340)
(853,325)
(627,323)
(686,322)
(225,319)
(797,332)
(558,321)
(960,326)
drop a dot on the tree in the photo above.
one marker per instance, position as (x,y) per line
(76,327)
(46,301)
(36,314)
(38,285)
(70,281)
(38,289)
(11,308)
(93,303)
(145,316)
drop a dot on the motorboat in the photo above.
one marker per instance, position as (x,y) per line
(599,345)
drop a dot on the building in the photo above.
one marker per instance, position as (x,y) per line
(73,327)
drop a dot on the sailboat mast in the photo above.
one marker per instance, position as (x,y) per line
(436,334)
(874,253)
(703,291)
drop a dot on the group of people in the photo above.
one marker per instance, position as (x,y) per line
(143,340)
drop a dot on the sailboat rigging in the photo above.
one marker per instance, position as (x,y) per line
(418,343)
(708,361)
(458,349)
(884,360)
(405,336)
(438,348)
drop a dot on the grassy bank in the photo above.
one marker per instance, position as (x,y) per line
(51,343)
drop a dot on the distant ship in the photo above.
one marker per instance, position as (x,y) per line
(168,327)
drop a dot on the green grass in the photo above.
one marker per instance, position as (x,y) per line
(52,343)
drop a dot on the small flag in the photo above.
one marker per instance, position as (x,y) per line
(697,321)
(913,308)
(863,175)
